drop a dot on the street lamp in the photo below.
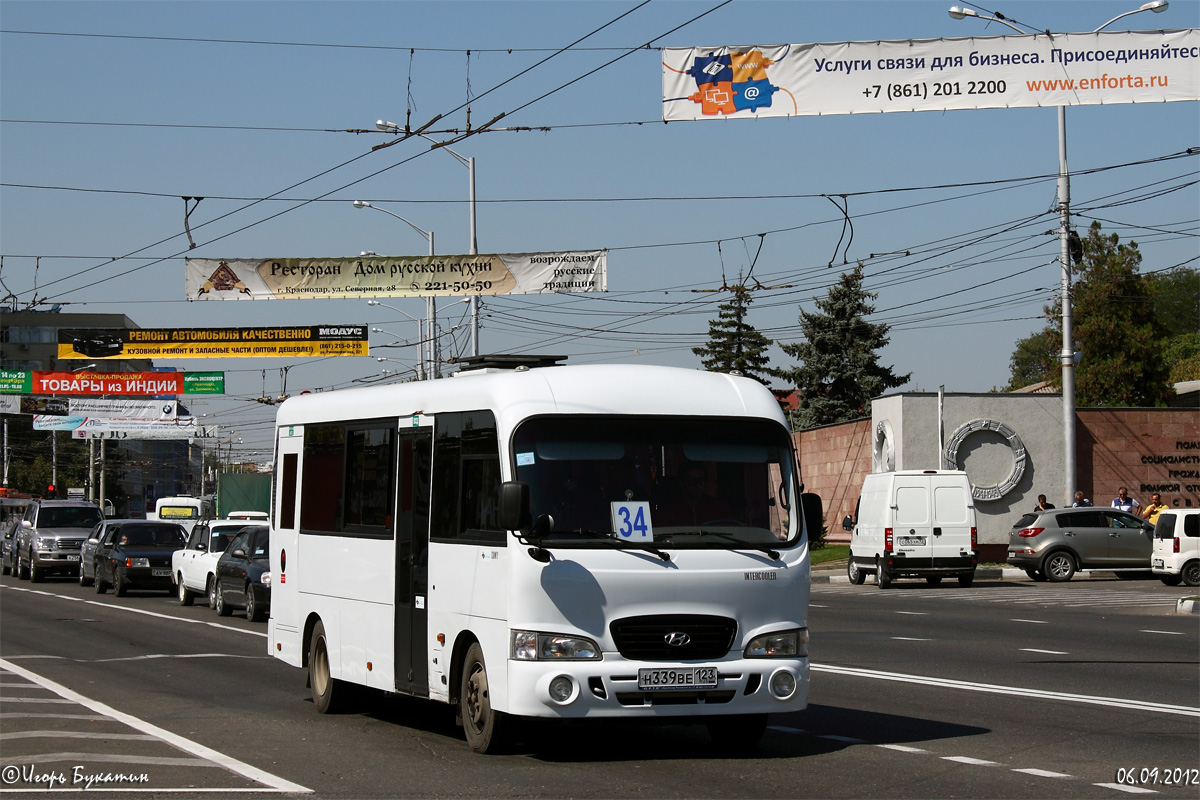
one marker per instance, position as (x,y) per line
(472,244)
(1067,357)
(430,311)
(424,370)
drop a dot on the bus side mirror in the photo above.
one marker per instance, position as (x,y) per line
(514,506)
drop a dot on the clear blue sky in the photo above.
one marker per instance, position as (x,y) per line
(103,132)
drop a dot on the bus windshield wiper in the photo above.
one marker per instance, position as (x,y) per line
(612,540)
(738,543)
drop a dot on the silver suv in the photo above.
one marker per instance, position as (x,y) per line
(50,535)
(1053,545)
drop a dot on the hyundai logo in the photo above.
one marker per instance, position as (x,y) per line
(677,639)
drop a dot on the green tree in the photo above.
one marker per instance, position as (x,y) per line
(1177,308)
(1115,328)
(839,370)
(1035,358)
(733,344)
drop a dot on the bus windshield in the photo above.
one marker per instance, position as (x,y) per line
(689,482)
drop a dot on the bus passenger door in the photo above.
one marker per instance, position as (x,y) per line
(415,458)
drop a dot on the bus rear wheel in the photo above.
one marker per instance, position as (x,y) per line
(328,694)
(486,729)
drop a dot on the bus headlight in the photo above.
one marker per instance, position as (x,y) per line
(533,646)
(782,644)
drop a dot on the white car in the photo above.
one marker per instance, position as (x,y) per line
(1176,555)
(194,567)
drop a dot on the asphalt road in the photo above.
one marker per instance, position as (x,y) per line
(1007,689)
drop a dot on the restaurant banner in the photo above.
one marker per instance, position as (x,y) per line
(295,342)
(1026,71)
(395,276)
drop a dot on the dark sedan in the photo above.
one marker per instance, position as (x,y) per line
(136,554)
(244,574)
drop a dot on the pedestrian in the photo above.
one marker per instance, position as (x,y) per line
(1081,501)
(1155,507)
(1124,502)
(1042,505)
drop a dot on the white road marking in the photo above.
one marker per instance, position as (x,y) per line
(1017,691)
(1123,788)
(114,607)
(1165,633)
(910,639)
(978,762)
(903,748)
(139,737)
(1044,773)
(1047,652)
(914,613)
(186,745)
(1031,621)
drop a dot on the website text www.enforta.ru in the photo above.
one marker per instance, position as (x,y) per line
(1105,81)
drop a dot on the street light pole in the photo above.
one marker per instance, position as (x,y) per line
(1067,354)
(430,364)
(473,243)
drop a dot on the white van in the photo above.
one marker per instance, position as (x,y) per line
(1176,554)
(913,524)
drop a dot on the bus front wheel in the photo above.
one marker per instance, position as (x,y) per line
(485,727)
(328,693)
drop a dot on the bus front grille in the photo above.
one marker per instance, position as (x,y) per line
(673,637)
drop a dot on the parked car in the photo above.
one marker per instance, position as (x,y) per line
(193,569)
(50,536)
(136,553)
(1055,544)
(244,574)
(87,552)
(1176,554)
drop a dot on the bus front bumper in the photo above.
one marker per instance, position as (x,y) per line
(609,688)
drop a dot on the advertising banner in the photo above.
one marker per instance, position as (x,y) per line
(15,381)
(399,276)
(1068,69)
(204,383)
(119,383)
(97,383)
(301,341)
(115,428)
(123,408)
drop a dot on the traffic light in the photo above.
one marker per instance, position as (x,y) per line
(51,491)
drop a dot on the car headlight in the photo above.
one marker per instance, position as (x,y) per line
(137,562)
(265,580)
(43,543)
(782,644)
(533,646)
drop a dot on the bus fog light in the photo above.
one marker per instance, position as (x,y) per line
(783,684)
(562,689)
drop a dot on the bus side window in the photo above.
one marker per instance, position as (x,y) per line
(466,478)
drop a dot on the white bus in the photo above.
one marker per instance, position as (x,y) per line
(184,509)
(555,541)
